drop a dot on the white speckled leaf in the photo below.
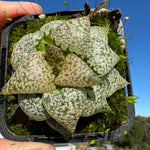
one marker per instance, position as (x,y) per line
(101,58)
(65,106)
(33,76)
(96,102)
(32,106)
(73,35)
(54,55)
(76,73)
(47,28)
(116,82)
(25,46)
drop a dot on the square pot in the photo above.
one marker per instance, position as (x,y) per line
(53,136)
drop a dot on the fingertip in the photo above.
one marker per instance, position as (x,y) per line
(38,8)
(51,147)
(30,7)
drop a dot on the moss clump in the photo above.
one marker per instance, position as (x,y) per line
(101,20)
(19,130)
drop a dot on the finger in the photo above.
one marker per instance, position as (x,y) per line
(15,9)
(12,145)
(31,146)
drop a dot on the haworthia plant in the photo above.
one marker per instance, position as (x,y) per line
(25,46)
(101,58)
(66,106)
(76,73)
(32,106)
(73,35)
(34,75)
(72,55)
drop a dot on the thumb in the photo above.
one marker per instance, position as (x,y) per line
(15,9)
(33,146)
(12,145)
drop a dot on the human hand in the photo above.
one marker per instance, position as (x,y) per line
(14,9)
(12,145)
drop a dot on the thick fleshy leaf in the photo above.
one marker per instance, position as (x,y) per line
(54,55)
(76,73)
(73,35)
(116,82)
(59,128)
(96,101)
(25,46)
(33,76)
(47,28)
(65,106)
(32,106)
(101,58)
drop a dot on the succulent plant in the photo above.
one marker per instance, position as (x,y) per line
(71,65)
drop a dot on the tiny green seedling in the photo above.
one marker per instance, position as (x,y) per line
(125,132)
(4,15)
(9,19)
(64,4)
(131,99)
(92,142)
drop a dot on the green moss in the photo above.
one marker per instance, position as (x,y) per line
(114,42)
(19,130)
(100,21)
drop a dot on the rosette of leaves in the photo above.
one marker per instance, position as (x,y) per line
(71,64)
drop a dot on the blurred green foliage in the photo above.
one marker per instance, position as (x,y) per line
(138,138)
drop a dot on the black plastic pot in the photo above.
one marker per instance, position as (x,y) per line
(82,137)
